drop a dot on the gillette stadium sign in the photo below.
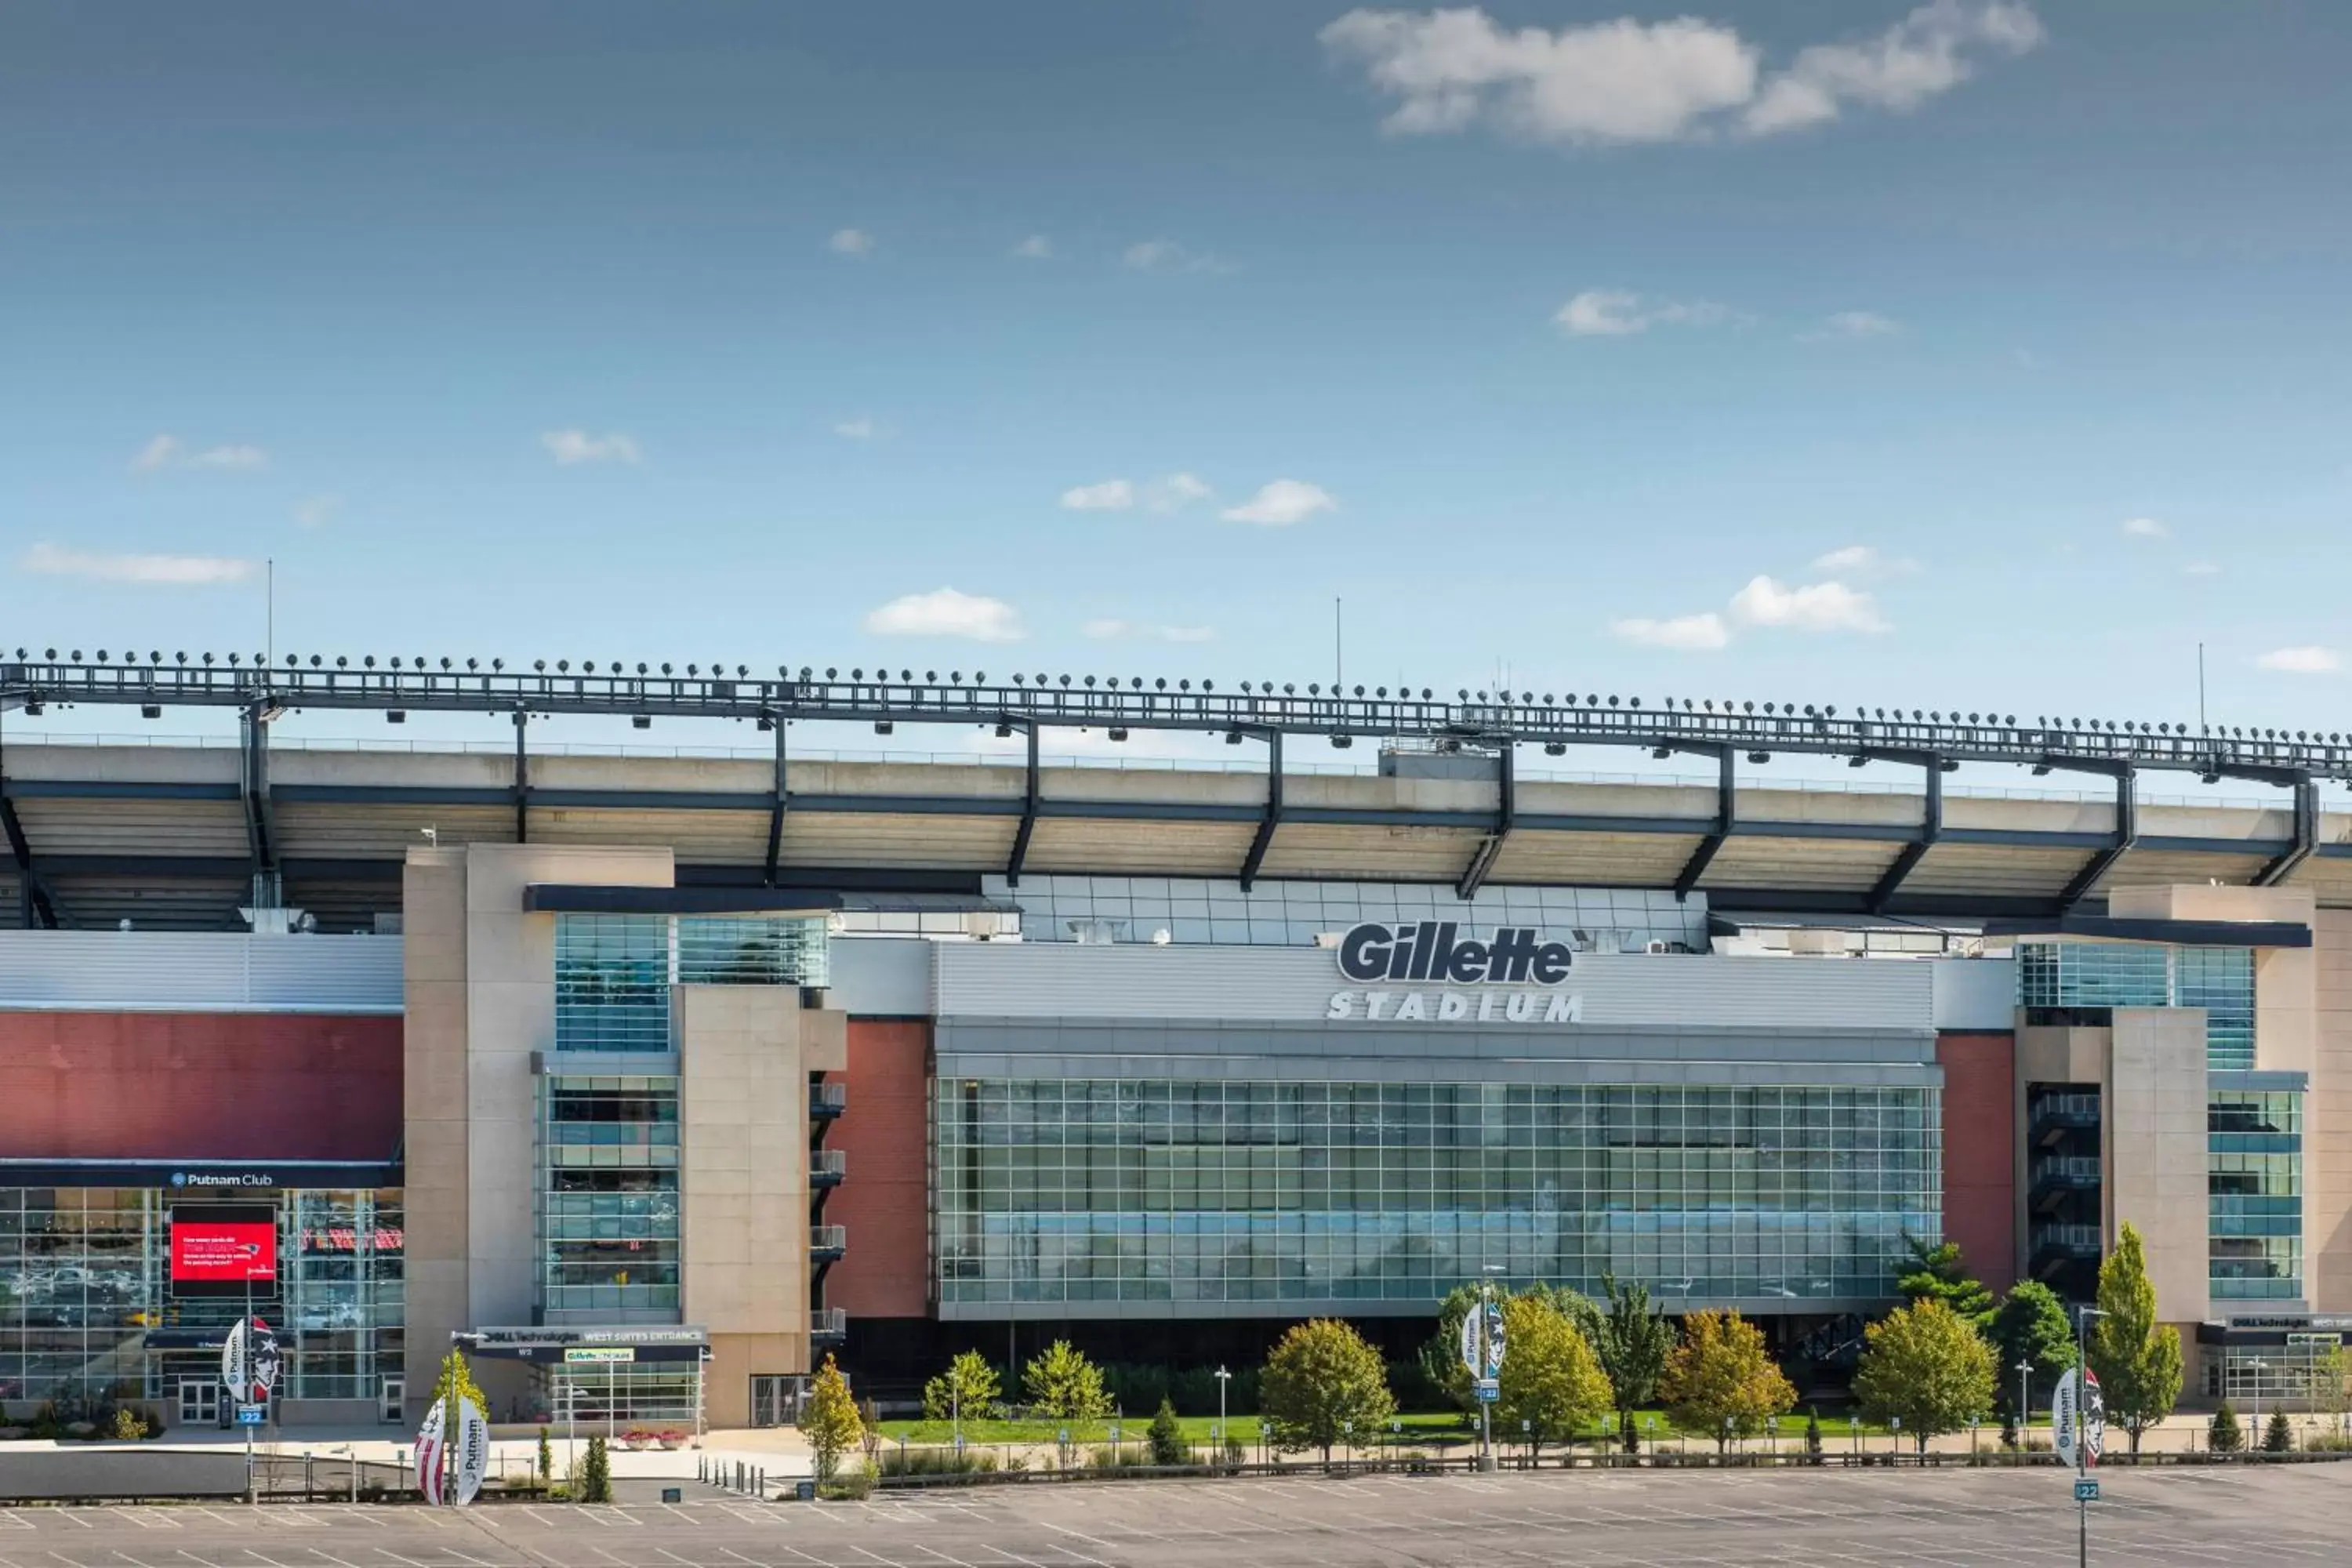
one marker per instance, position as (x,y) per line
(1408,974)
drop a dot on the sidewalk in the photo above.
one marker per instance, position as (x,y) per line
(782,1452)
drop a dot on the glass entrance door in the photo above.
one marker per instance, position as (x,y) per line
(199,1402)
(392,1404)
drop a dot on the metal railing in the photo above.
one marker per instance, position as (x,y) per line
(829,1322)
(2068,1237)
(1116,704)
(828,1238)
(828,1164)
(2045,1105)
(828,1099)
(2066,1168)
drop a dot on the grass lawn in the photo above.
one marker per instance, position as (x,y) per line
(1423,1429)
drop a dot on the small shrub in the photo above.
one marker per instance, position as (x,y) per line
(930,1461)
(2278,1437)
(1168,1444)
(2222,1433)
(854,1486)
(128,1427)
(595,1484)
(2327,1443)
(546,1457)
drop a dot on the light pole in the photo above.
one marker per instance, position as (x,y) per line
(1223,1377)
(2083,1315)
(1485,1406)
(1772,1436)
(955,1406)
(2024,1370)
(2254,1433)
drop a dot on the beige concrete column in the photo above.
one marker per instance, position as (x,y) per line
(745,1053)
(2156,1157)
(432,1096)
(2327,1120)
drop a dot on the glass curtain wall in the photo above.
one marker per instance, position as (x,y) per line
(2083,982)
(2254,1177)
(85,1275)
(1076,1191)
(614,973)
(608,1199)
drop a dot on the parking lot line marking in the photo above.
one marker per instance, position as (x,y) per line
(71,1518)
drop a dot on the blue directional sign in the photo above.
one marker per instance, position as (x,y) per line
(252,1414)
(2086,1491)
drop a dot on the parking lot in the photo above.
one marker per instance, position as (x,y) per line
(1627,1520)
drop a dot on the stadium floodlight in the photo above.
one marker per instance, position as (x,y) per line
(1760,756)
(882,727)
(1555,748)
(150,711)
(1342,743)
(1117,732)
(1233,737)
(395,715)
(641,721)
(1004,731)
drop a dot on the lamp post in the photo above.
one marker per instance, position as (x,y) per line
(955,1406)
(1223,1377)
(2254,1433)
(1485,1407)
(1772,1436)
(2083,1315)
(2024,1370)
(1895,1424)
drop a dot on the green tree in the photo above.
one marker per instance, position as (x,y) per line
(2331,1385)
(1551,1380)
(1937,1274)
(1924,1364)
(1167,1434)
(970,1385)
(595,1480)
(1812,1433)
(831,1421)
(456,1377)
(1720,1380)
(2224,1435)
(546,1458)
(2032,1327)
(1441,1355)
(2278,1437)
(1322,1381)
(1633,1346)
(2138,1359)
(1064,1385)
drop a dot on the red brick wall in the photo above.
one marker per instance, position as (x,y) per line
(886,1198)
(198,1086)
(1980,1152)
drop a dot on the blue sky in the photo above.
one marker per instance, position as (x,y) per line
(1970,353)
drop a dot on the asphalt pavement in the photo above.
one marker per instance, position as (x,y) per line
(1945,1519)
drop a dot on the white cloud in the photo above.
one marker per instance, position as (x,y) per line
(159,453)
(1851,324)
(2309,660)
(1175,492)
(850,242)
(170,452)
(571,446)
(1108,629)
(1111,495)
(171,571)
(945,612)
(317,511)
(1925,54)
(1037,248)
(2144,527)
(1829,606)
(1630,81)
(1281,502)
(1616,314)
(858,429)
(1690,633)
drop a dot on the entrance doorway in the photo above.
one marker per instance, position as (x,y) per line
(776,1399)
(392,1403)
(199,1402)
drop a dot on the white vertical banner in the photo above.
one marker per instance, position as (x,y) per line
(473,1443)
(431,1449)
(237,1362)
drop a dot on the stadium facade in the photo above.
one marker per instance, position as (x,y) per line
(651,1079)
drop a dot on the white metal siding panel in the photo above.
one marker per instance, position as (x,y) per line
(192,972)
(1069,980)
(1975,993)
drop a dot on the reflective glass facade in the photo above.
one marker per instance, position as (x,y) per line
(2255,1176)
(1097,1191)
(2097,976)
(608,1199)
(88,1307)
(614,973)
